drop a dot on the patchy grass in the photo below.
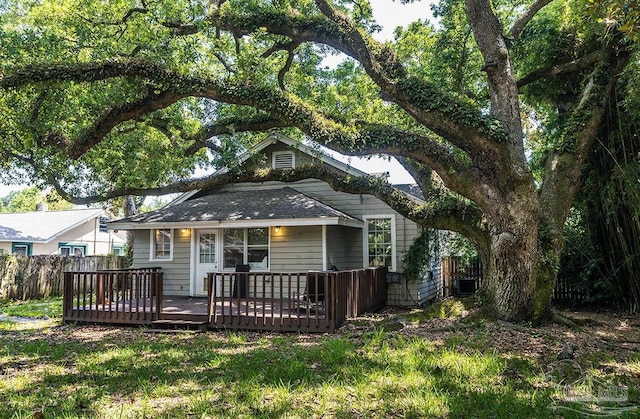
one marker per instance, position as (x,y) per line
(49,308)
(482,370)
(451,308)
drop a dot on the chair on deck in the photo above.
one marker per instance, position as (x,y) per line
(314,293)
(241,281)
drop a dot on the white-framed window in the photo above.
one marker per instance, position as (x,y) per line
(70,249)
(283,160)
(24,249)
(161,244)
(117,250)
(380,241)
(242,246)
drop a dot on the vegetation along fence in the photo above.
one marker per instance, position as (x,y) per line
(26,277)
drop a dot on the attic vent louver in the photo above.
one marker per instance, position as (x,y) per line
(283,160)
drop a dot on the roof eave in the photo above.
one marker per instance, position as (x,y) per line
(282,222)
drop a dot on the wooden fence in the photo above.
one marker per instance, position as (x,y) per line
(567,292)
(460,278)
(366,290)
(27,277)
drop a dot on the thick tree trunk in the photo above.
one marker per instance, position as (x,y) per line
(512,276)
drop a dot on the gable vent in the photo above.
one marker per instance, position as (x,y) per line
(283,160)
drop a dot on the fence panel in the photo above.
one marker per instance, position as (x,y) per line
(28,277)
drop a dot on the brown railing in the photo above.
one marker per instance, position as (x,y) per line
(286,301)
(366,290)
(113,296)
(307,302)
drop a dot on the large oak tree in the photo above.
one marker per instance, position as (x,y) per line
(103,100)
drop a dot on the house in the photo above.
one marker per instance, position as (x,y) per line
(275,227)
(77,232)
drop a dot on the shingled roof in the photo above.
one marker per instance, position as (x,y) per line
(254,205)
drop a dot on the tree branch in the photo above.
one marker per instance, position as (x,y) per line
(444,213)
(434,190)
(181,29)
(355,138)
(118,114)
(230,126)
(574,66)
(503,90)
(564,164)
(521,23)
(460,123)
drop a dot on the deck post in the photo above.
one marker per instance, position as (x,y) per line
(159,294)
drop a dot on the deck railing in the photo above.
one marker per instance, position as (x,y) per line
(278,301)
(126,296)
(366,290)
(293,301)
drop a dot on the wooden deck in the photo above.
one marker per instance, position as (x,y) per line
(309,301)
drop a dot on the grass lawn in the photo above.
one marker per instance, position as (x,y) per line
(436,363)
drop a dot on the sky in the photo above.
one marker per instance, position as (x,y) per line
(389,14)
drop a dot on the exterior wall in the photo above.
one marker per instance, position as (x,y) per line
(356,205)
(415,293)
(296,249)
(293,249)
(344,247)
(299,248)
(177,272)
(87,233)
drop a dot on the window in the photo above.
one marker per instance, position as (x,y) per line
(233,245)
(24,249)
(380,243)
(69,249)
(161,244)
(283,160)
(103,224)
(258,248)
(246,246)
(117,250)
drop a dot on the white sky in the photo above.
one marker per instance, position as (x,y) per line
(389,14)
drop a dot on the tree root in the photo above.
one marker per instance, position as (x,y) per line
(560,319)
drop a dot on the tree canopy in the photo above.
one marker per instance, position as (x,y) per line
(27,199)
(103,99)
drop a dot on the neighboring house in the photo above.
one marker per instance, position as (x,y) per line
(277,227)
(79,232)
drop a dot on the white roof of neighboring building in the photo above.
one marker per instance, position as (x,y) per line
(42,226)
